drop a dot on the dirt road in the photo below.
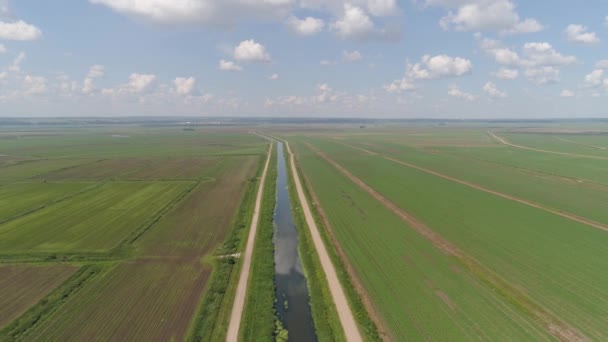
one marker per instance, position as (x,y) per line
(508,143)
(347,319)
(241,289)
(554,325)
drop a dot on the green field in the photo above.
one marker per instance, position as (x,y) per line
(524,269)
(438,232)
(143,215)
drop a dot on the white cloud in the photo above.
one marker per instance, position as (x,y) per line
(491,89)
(380,8)
(352,56)
(567,93)
(456,92)
(475,15)
(141,83)
(439,66)
(250,51)
(204,12)
(526,26)
(229,66)
(19,30)
(327,63)
(34,85)
(579,34)
(544,54)
(507,74)
(603,64)
(535,54)
(274,77)
(542,75)
(184,86)
(399,86)
(16,65)
(595,78)
(96,71)
(305,27)
(356,24)
(3,49)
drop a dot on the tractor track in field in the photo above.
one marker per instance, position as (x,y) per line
(581,144)
(508,143)
(567,215)
(241,290)
(552,324)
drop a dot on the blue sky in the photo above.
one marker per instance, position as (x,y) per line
(307,58)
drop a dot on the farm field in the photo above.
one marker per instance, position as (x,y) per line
(539,270)
(145,225)
(21,286)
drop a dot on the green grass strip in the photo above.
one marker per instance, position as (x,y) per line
(259,315)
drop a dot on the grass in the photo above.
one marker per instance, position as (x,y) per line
(259,316)
(93,221)
(530,249)
(18,199)
(414,288)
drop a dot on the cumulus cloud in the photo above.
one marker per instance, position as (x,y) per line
(491,89)
(34,85)
(96,71)
(439,66)
(382,8)
(595,78)
(229,66)
(567,93)
(603,64)
(507,74)
(19,30)
(455,91)
(306,27)
(542,75)
(250,51)
(183,85)
(204,12)
(16,65)
(352,56)
(478,15)
(141,83)
(356,24)
(400,86)
(580,34)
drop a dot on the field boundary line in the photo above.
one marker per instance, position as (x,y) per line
(563,214)
(508,143)
(345,314)
(553,325)
(241,290)
(581,144)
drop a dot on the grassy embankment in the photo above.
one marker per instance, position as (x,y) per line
(259,316)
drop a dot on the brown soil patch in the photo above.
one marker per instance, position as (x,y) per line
(22,286)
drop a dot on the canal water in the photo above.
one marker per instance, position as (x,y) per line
(292,304)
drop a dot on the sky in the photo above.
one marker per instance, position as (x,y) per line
(456,59)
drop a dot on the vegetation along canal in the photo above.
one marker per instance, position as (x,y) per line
(292,303)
